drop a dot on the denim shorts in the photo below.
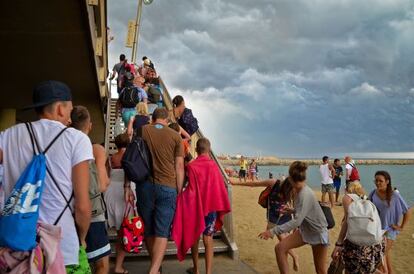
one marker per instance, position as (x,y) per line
(156,205)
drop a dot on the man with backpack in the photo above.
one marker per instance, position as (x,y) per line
(156,196)
(66,182)
(119,69)
(352,173)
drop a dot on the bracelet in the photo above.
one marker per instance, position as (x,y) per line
(339,245)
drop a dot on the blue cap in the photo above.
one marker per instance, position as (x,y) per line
(48,92)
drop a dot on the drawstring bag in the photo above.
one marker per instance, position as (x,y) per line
(132,229)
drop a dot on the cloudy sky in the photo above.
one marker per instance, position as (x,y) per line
(289,78)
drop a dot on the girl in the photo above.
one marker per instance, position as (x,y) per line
(310,220)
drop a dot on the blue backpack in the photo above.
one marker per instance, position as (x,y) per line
(18,220)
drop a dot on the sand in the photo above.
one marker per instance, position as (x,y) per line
(250,220)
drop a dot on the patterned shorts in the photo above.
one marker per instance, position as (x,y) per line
(210,221)
(328,188)
(362,259)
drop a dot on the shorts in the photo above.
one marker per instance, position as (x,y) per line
(391,235)
(97,243)
(156,205)
(127,114)
(83,266)
(328,188)
(337,185)
(210,221)
(362,259)
(242,173)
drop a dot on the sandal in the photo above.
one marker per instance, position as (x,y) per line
(124,272)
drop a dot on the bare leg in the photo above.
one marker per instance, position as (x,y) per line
(194,254)
(294,240)
(208,244)
(149,243)
(120,256)
(388,248)
(102,265)
(291,252)
(323,197)
(331,198)
(336,196)
(158,251)
(320,253)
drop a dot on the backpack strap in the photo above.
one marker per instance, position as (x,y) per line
(34,141)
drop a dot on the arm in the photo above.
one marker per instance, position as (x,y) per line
(179,171)
(130,129)
(113,75)
(184,134)
(100,160)
(268,182)
(346,201)
(406,218)
(80,181)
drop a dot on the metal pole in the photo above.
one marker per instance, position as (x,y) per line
(137,25)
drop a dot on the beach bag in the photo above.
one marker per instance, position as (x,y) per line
(188,122)
(136,161)
(129,97)
(132,229)
(354,176)
(18,220)
(328,215)
(364,224)
(265,194)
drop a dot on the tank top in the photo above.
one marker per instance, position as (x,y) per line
(326,174)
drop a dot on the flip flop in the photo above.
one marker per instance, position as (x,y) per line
(124,272)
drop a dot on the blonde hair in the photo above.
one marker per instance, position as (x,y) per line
(142,109)
(355,187)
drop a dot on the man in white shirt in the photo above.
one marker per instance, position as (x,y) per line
(348,169)
(67,161)
(327,173)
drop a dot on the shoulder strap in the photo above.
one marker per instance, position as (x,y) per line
(354,197)
(34,141)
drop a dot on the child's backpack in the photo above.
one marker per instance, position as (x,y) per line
(364,224)
(129,97)
(354,176)
(18,220)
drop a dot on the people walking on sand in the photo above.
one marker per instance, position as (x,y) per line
(252,170)
(327,171)
(200,208)
(243,168)
(156,198)
(352,173)
(358,257)
(309,219)
(98,248)
(337,178)
(391,207)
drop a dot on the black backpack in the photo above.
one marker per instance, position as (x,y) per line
(188,122)
(129,97)
(136,162)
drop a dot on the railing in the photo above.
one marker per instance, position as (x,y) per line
(228,231)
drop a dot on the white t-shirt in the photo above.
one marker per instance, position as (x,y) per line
(326,174)
(348,168)
(70,149)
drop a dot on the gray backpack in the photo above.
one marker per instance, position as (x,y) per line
(95,195)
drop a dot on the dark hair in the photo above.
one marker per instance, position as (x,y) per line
(336,160)
(122,140)
(286,190)
(203,145)
(325,158)
(297,171)
(389,190)
(145,57)
(122,57)
(79,116)
(160,113)
(174,126)
(177,101)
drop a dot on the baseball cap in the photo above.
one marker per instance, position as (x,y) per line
(48,92)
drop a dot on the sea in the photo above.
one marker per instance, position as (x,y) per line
(402,177)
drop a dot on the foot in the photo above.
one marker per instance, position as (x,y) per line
(192,271)
(296,263)
(121,271)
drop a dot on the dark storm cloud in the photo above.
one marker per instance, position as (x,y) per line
(285,77)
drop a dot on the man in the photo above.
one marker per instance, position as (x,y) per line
(201,207)
(352,173)
(327,173)
(156,198)
(119,69)
(98,248)
(337,178)
(67,161)
(243,168)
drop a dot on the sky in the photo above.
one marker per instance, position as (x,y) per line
(291,78)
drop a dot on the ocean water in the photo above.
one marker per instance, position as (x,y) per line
(402,177)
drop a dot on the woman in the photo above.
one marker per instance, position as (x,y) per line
(141,119)
(357,258)
(310,220)
(252,170)
(279,199)
(184,116)
(391,207)
(114,197)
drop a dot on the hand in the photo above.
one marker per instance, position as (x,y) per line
(83,243)
(129,195)
(336,252)
(397,227)
(265,235)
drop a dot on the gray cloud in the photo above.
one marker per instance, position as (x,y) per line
(285,77)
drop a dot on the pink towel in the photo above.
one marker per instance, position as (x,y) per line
(205,193)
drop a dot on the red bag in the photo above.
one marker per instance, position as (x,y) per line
(132,230)
(264,196)
(354,176)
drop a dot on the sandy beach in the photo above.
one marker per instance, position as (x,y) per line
(250,220)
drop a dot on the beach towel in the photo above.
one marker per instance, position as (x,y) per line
(206,192)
